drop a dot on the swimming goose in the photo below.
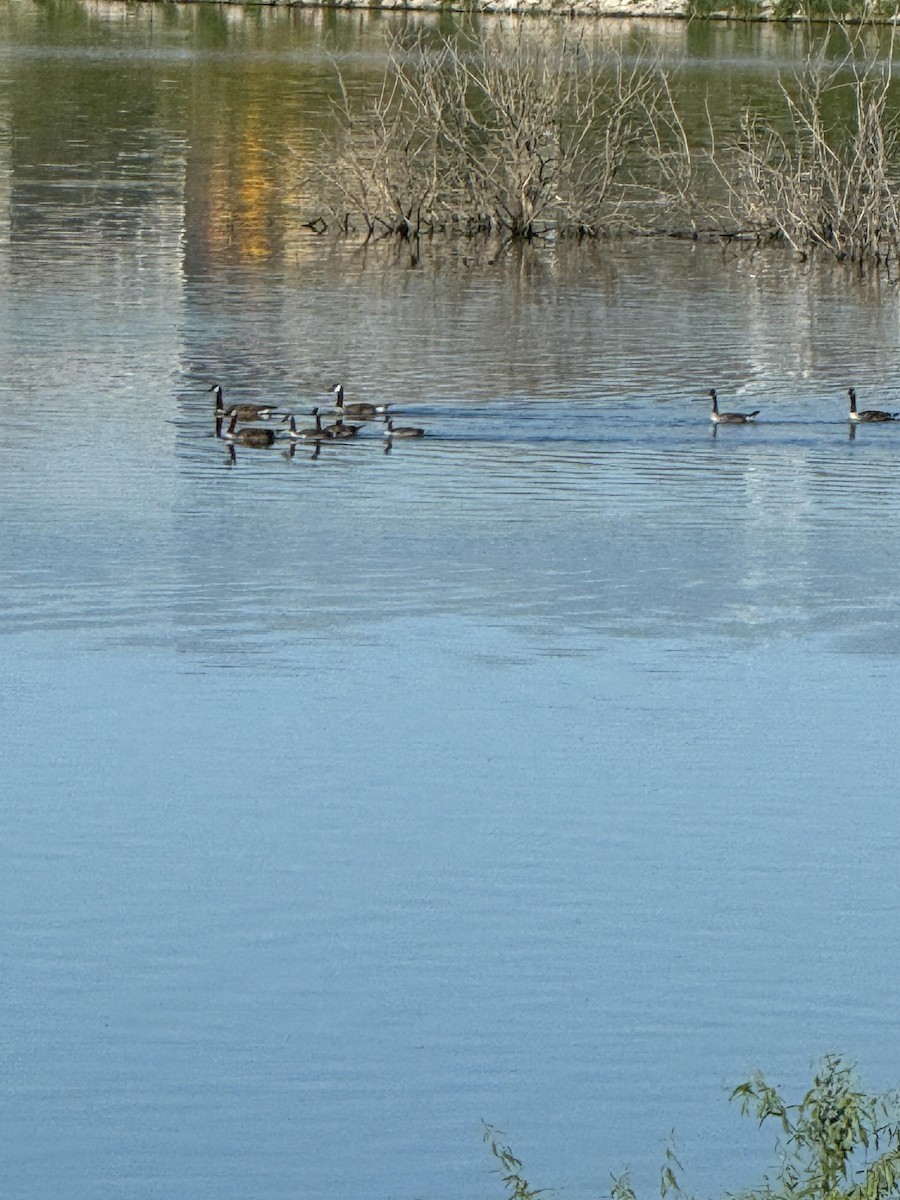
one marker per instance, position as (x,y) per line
(248,437)
(402,431)
(355,410)
(868,414)
(244,412)
(728,418)
(311,433)
(340,430)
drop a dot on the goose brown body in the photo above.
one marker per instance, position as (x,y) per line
(248,437)
(243,412)
(728,418)
(339,430)
(355,410)
(868,414)
(402,431)
(311,432)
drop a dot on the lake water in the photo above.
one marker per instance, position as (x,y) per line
(542,771)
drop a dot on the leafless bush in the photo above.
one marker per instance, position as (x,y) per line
(826,175)
(521,136)
(524,136)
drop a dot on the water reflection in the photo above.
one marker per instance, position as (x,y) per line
(358,790)
(246,97)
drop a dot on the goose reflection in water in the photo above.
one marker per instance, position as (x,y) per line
(291,452)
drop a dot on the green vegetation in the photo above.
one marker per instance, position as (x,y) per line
(516,1185)
(837,1143)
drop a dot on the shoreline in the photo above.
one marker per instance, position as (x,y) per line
(650,9)
(744,11)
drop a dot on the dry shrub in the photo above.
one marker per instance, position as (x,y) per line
(824,174)
(521,135)
(527,135)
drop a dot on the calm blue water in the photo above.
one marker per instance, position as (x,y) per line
(542,771)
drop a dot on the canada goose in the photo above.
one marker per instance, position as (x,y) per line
(248,437)
(339,430)
(868,414)
(311,433)
(402,431)
(728,418)
(355,410)
(244,412)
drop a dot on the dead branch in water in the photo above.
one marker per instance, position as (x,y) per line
(526,138)
(826,177)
